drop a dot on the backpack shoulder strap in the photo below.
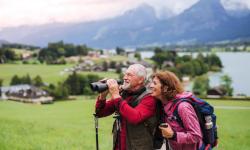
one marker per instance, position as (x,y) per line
(174,110)
(138,98)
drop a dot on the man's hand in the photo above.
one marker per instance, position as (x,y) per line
(113,88)
(167,132)
(103,95)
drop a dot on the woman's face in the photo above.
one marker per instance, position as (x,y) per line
(155,87)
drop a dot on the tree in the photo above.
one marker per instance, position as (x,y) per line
(1,82)
(93,78)
(160,57)
(158,50)
(204,67)
(105,66)
(90,78)
(197,67)
(200,57)
(73,84)
(201,85)
(52,86)
(226,83)
(2,56)
(82,50)
(101,52)
(79,84)
(175,71)
(138,56)
(187,58)
(214,62)
(10,54)
(119,68)
(61,91)
(26,79)
(61,51)
(15,80)
(120,51)
(58,92)
(55,51)
(37,81)
(186,68)
(113,64)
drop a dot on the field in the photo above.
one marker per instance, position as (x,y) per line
(62,125)
(69,125)
(49,73)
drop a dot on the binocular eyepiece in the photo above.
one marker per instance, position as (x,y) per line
(101,86)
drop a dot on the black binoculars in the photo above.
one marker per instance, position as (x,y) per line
(101,86)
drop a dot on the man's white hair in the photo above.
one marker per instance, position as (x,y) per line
(140,70)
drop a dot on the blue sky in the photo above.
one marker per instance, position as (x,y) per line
(35,12)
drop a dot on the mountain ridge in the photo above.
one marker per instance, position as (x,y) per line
(205,21)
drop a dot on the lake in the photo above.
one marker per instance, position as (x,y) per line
(236,65)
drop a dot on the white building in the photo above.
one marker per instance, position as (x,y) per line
(25,93)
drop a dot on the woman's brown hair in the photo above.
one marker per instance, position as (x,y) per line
(171,85)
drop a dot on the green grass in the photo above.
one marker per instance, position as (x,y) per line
(234,130)
(69,125)
(229,103)
(233,125)
(116,58)
(103,74)
(49,73)
(62,125)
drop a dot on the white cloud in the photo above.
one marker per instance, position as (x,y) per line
(176,6)
(170,7)
(236,4)
(16,12)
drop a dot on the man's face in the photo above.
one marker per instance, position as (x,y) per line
(131,80)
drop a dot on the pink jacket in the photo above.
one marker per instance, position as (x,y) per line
(188,137)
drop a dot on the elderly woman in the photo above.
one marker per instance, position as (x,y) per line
(167,88)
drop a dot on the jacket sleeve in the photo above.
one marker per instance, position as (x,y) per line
(145,109)
(105,108)
(191,124)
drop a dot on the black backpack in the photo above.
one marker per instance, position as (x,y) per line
(206,116)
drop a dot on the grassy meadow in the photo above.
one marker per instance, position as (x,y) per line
(62,125)
(49,73)
(69,125)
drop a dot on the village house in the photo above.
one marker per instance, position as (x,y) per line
(25,93)
(167,64)
(26,55)
(216,92)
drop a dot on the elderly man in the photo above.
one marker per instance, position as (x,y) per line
(134,126)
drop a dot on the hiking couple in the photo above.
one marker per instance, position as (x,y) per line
(141,108)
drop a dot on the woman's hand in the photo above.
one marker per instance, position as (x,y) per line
(167,132)
(113,88)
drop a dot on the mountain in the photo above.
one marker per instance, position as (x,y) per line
(3,42)
(208,21)
(205,21)
(122,30)
(104,33)
(196,23)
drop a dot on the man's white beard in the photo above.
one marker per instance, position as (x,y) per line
(126,86)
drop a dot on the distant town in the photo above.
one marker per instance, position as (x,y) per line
(80,65)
